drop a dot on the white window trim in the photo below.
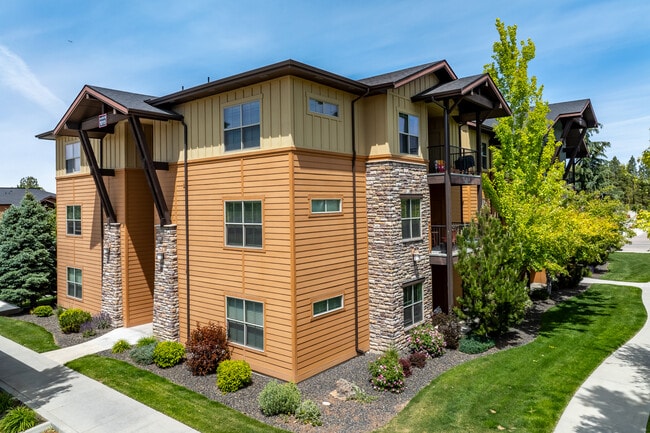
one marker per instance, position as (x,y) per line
(411,219)
(67,220)
(239,104)
(243,224)
(328,311)
(408,134)
(326,212)
(323,100)
(66,159)
(247,324)
(421,302)
(67,281)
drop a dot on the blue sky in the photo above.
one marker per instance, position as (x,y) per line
(50,49)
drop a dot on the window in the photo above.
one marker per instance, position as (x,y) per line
(411,218)
(484,156)
(325,205)
(408,134)
(74,282)
(245,322)
(244,224)
(327,305)
(241,126)
(73,220)
(412,296)
(72,158)
(321,107)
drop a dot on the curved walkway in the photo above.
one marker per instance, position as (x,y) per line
(616,397)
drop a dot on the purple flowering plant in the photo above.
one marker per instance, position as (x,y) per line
(387,373)
(426,338)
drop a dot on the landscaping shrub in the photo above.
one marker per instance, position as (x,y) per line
(168,353)
(101,321)
(206,348)
(426,338)
(387,373)
(143,354)
(473,344)
(233,375)
(406,366)
(146,341)
(449,326)
(87,329)
(43,311)
(278,398)
(121,346)
(72,319)
(6,402)
(18,419)
(418,359)
(309,413)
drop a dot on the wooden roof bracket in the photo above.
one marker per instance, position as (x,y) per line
(572,160)
(149,170)
(96,174)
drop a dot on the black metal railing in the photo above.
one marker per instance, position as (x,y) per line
(439,237)
(463,160)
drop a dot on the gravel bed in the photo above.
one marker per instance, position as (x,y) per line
(337,415)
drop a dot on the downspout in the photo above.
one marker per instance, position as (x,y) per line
(355,236)
(187,228)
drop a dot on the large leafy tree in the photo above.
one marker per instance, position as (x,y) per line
(29,182)
(27,252)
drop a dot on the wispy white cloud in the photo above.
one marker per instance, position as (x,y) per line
(17,76)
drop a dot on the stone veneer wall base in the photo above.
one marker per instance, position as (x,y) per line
(166,322)
(112,274)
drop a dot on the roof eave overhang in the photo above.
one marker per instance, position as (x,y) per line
(442,70)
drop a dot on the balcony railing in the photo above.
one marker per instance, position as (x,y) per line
(463,161)
(439,238)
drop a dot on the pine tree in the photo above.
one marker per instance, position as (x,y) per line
(27,252)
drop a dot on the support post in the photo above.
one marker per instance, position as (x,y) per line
(166,319)
(112,297)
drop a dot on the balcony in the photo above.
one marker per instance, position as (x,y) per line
(464,170)
(438,255)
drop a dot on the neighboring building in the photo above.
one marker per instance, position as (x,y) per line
(312,214)
(13,197)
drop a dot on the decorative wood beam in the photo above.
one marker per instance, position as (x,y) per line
(149,170)
(101,121)
(96,174)
(161,165)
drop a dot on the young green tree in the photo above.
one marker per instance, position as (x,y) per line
(27,252)
(29,182)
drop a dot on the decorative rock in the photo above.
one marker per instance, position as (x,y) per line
(344,389)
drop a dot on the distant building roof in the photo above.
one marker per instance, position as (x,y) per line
(13,196)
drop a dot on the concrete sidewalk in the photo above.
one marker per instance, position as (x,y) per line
(73,402)
(616,397)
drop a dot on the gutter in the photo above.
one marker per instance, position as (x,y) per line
(187,228)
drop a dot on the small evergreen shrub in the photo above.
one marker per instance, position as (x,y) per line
(418,359)
(449,326)
(278,398)
(143,355)
(18,419)
(426,338)
(309,413)
(71,320)
(168,353)
(146,341)
(87,329)
(43,311)
(101,321)
(121,346)
(233,375)
(387,373)
(474,344)
(406,366)
(206,348)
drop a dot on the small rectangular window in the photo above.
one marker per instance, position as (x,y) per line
(325,205)
(411,221)
(484,156)
(412,304)
(241,126)
(73,158)
(327,305)
(74,283)
(73,220)
(244,224)
(245,322)
(409,132)
(322,107)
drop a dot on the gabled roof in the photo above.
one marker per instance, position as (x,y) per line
(93,101)
(473,94)
(581,108)
(13,196)
(395,79)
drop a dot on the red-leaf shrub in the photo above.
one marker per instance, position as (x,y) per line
(206,348)
(406,366)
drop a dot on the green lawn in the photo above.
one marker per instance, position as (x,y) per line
(27,334)
(633,267)
(186,406)
(526,389)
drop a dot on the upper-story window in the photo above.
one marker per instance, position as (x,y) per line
(484,156)
(411,221)
(241,126)
(244,224)
(73,157)
(325,205)
(323,107)
(73,220)
(409,129)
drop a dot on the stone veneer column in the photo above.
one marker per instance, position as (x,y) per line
(390,261)
(166,325)
(112,274)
